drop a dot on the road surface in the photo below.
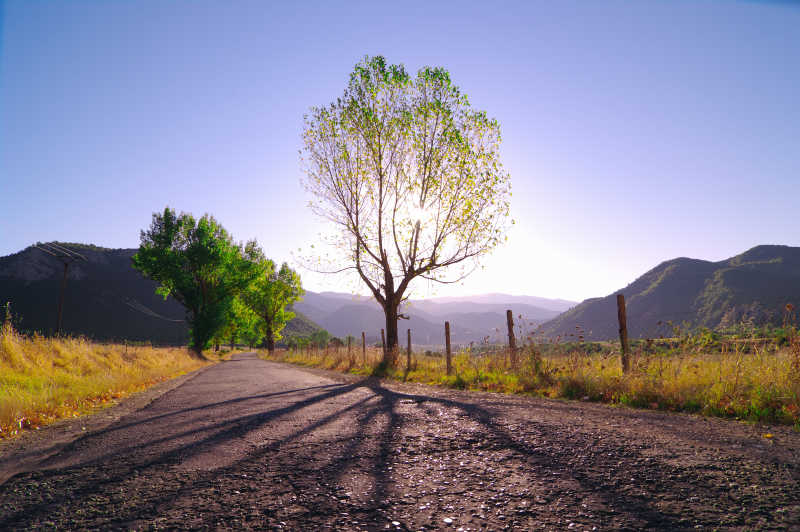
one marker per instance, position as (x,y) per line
(255,444)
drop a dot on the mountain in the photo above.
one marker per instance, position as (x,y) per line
(105,298)
(472,319)
(558,305)
(754,286)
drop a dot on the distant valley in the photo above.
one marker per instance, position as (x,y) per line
(472,318)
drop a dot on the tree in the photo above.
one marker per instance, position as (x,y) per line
(298,342)
(409,174)
(197,263)
(269,295)
(242,324)
(319,338)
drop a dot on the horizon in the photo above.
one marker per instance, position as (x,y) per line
(467,296)
(634,133)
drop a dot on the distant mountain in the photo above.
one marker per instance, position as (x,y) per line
(471,319)
(105,298)
(558,305)
(754,286)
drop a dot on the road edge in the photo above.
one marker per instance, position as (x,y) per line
(24,453)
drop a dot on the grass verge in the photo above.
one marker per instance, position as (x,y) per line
(757,385)
(46,379)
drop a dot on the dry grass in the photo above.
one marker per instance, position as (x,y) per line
(44,379)
(759,384)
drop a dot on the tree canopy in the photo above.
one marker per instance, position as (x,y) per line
(197,263)
(269,295)
(409,174)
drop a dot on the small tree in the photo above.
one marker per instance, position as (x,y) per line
(197,263)
(298,342)
(410,176)
(269,295)
(319,338)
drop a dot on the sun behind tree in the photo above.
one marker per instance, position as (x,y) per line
(410,175)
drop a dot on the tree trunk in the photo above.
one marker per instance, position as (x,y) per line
(270,338)
(392,340)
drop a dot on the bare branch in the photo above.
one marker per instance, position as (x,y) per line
(408,174)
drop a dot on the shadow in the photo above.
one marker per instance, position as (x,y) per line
(370,442)
(118,427)
(550,462)
(86,487)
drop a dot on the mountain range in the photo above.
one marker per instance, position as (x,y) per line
(753,287)
(472,318)
(106,299)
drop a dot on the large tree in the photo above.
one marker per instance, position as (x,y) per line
(409,174)
(270,295)
(197,263)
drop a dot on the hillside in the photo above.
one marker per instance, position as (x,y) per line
(105,298)
(754,286)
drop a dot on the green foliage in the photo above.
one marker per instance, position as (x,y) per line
(241,324)
(410,177)
(270,293)
(198,264)
(320,338)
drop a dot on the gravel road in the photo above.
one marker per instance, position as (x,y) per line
(262,445)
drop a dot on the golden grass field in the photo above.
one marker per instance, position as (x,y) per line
(45,379)
(753,383)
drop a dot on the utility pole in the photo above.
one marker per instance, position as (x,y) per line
(66,257)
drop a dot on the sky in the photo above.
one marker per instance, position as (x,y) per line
(634,132)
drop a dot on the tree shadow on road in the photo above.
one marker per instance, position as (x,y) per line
(371,442)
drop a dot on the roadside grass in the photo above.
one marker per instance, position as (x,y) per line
(46,379)
(755,382)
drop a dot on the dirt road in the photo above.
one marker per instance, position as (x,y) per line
(254,444)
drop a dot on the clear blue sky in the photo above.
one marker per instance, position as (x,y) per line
(634,132)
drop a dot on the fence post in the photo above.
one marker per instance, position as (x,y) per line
(350,350)
(408,352)
(364,347)
(512,340)
(383,343)
(623,333)
(447,346)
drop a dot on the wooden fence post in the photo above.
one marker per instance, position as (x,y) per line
(512,340)
(350,350)
(364,347)
(408,352)
(447,346)
(623,333)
